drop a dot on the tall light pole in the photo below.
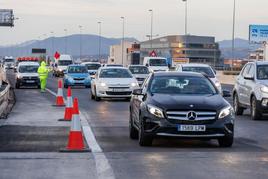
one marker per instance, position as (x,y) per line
(80,27)
(186,17)
(233,34)
(52,42)
(123,38)
(99,41)
(151,37)
(65,30)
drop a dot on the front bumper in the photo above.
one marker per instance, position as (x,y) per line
(28,82)
(84,82)
(262,105)
(214,129)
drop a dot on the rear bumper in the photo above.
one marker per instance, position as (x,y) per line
(77,83)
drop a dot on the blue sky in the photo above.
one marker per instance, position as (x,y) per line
(206,17)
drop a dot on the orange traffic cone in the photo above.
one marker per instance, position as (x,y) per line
(69,107)
(59,98)
(76,140)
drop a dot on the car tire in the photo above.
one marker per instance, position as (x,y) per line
(133,132)
(144,139)
(87,86)
(226,141)
(65,86)
(92,96)
(237,108)
(38,86)
(255,113)
(96,97)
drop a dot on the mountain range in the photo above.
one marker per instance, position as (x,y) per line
(90,46)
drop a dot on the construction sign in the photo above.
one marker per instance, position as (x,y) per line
(153,54)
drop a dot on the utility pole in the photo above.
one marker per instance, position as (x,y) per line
(65,30)
(151,36)
(80,27)
(123,38)
(99,41)
(233,34)
(52,41)
(186,17)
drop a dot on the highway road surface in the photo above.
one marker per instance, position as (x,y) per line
(29,144)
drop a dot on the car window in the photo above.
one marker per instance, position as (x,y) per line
(182,85)
(139,70)
(77,69)
(115,73)
(28,69)
(145,84)
(262,72)
(245,70)
(93,66)
(64,62)
(206,70)
(251,71)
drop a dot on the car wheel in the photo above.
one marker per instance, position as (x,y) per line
(38,86)
(65,86)
(144,139)
(96,97)
(87,86)
(17,86)
(92,96)
(255,113)
(133,132)
(226,141)
(237,108)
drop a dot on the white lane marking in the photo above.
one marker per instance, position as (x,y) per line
(103,167)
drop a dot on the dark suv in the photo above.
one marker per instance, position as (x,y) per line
(183,105)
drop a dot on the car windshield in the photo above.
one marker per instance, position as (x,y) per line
(158,62)
(115,73)
(28,69)
(205,70)
(182,85)
(262,72)
(139,70)
(93,66)
(77,69)
(9,60)
(64,62)
(114,65)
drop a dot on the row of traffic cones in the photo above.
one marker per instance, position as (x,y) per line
(76,140)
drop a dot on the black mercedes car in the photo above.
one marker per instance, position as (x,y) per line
(183,105)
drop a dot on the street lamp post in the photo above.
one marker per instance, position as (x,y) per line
(65,30)
(233,34)
(186,17)
(52,42)
(99,41)
(151,37)
(80,27)
(123,38)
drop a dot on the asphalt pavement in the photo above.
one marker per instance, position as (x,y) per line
(121,156)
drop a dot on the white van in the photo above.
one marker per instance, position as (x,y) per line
(61,65)
(156,64)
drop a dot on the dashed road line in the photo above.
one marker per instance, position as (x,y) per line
(103,167)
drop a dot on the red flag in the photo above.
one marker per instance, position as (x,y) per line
(153,54)
(57,55)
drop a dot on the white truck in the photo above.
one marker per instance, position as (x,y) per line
(61,65)
(9,62)
(156,64)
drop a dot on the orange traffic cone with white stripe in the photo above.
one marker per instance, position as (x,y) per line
(69,107)
(59,98)
(76,140)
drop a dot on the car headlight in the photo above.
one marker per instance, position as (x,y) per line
(102,84)
(225,112)
(155,111)
(134,84)
(264,89)
(19,77)
(60,70)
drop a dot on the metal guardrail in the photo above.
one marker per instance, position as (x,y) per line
(4,100)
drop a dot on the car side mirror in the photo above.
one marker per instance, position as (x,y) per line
(226,94)
(249,78)
(147,64)
(15,70)
(137,92)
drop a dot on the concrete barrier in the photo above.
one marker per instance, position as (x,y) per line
(226,79)
(4,100)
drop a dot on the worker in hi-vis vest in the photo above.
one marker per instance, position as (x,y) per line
(43,74)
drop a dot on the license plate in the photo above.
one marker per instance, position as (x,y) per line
(194,128)
(30,81)
(119,90)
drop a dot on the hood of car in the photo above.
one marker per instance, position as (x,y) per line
(178,102)
(118,81)
(78,75)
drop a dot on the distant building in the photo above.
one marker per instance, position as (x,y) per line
(184,48)
(115,56)
(257,55)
